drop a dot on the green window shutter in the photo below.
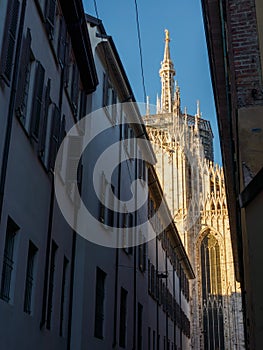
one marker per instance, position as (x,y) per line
(8,48)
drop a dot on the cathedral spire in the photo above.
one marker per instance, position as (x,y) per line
(166,56)
(167,73)
(198,114)
(148,105)
(177,100)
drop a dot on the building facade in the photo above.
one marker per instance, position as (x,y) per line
(59,290)
(235,41)
(42,94)
(195,191)
(140,294)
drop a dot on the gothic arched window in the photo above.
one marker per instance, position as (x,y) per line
(213,324)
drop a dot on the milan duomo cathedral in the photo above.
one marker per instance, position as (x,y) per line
(195,192)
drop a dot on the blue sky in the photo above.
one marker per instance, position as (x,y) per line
(183,18)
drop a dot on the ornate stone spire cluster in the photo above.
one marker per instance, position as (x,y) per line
(170,101)
(167,73)
(195,192)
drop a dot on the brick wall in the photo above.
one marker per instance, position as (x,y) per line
(246,55)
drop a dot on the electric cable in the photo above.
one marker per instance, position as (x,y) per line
(140,48)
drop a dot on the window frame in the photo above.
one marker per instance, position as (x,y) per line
(123,318)
(9,261)
(99,304)
(30,278)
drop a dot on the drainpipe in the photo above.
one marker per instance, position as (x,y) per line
(72,270)
(174,299)
(134,300)
(180,307)
(11,106)
(114,343)
(157,304)
(135,288)
(50,222)
(166,316)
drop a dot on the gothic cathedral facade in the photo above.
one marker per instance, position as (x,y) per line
(195,192)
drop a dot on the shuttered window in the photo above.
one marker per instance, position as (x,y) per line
(62,42)
(142,169)
(99,303)
(83,104)
(24,79)
(50,14)
(128,232)
(36,110)
(107,201)
(139,327)
(8,261)
(109,98)
(67,61)
(8,48)
(52,268)
(105,90)
(62,323)
(142,256)
(74,150)
(123,318)
(79,178)
(43,122)
(75,88)
(102,203)
(30,281)
(54,137)
(62,134)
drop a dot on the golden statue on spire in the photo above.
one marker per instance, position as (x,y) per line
(167,37)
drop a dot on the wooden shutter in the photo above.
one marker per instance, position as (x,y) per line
(99,303)
(74,150)
(114,107)
(62,41)
(50,16)
(62,134)
(37,100)
(75,88)
(79,177)
(102,202)
(83,104)
(8,48)
(43,122)
(54,137)
(23,80)
(105,90)
(67,62)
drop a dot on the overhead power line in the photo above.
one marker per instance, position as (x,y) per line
(139,43)
(96,9)
(140,48)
